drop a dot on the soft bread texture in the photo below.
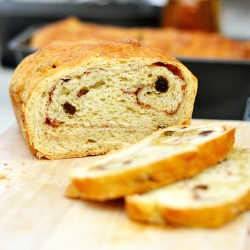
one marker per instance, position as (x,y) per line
(164,157)
(176,42)
(90,97)
(209,199)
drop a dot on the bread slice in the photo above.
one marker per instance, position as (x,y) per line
(209,199)
(166,156)
(90,97)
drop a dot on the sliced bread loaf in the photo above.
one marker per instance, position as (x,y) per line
(90,97)
(209,199)
(166,156)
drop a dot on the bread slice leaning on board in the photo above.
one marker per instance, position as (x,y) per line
(211,198)
(165,156)
(90,97)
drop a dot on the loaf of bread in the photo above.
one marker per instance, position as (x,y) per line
(176,42)
(165,156)
(73,29)
(74,99)
(196,44)
(209,199)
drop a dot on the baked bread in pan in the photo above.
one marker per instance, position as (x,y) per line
(73,29)
(165,156)
(176,42)
(74,99)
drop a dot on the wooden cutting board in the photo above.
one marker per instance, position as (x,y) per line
(35,214)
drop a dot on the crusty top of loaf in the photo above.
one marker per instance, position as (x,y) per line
(64,55)
(73,29)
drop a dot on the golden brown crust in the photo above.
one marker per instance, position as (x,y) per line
(209,217)
(156,174)
(182,43)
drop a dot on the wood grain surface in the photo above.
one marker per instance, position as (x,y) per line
(35,214)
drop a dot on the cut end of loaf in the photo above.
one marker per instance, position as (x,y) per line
(89,98)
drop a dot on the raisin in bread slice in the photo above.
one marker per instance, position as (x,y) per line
(165,156)
(90,97)
(209,199)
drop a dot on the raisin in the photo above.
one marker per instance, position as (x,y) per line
(47,121)
(203,187)
(184,127)
(196,194)
(91,140)
(161,84)
(51,123)
(68,108)
(168,133)
(127,162)
(161,126)
(65,79)
(82,92)
(206,133)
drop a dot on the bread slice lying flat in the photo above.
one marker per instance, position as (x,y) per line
(209,199)
(166,156)
(90,97)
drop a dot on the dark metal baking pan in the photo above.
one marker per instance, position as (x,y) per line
(223,88)
(19,45)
